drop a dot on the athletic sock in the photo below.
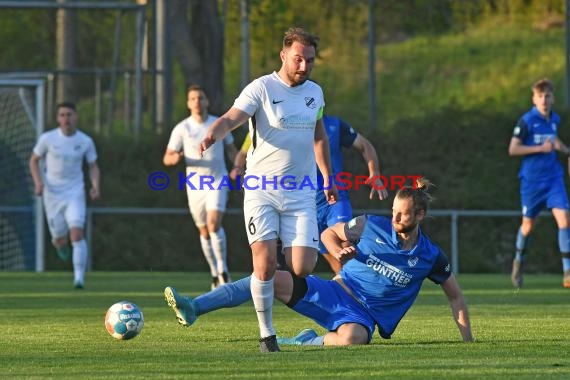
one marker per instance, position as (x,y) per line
(219,246)
(318,341)
(229,295)
(262,296)
(209,255)
(565,264)
(564,245)
(79,260)
(520,245)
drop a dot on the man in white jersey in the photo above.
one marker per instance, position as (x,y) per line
(287,136)
(60,182)
(204,174)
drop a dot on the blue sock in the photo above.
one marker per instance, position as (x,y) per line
(520,245)
(565,264)
(564,245)
(228,295)
(318,341)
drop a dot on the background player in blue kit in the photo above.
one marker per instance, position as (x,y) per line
(342,135)
(385,263)
(535,137)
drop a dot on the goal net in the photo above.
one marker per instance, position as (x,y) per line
(21,217)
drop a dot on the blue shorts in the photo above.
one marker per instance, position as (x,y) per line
(328,304)
(537,195)
(329,215)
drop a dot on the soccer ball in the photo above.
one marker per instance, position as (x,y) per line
(124,320)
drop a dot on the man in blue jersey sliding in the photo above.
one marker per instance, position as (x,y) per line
(342,135)
(535,137)
(384,264)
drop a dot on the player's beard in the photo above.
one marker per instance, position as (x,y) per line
(297,78)
(404,228)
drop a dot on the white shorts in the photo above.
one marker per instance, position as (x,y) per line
(64,214)
(202,201)
(289,215)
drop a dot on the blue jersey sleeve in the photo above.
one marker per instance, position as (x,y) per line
(347,134)
(521,130)
(441,269)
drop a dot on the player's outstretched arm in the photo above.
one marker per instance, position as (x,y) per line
(517,148)
(458,307)
(323,158)
(222,126)
(365,147)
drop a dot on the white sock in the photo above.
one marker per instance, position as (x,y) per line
(219,246)
(79,260)
(209,255)
(262,295)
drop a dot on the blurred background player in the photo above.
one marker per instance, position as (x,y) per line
(288,140)
(535,137)
(60,182)
(206,206)
(376,286)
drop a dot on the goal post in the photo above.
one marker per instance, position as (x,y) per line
(21,212)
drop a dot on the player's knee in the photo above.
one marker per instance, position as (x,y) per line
(302,271)
(213,226)
(203,232)
(59,241)
(349,339)
(352,333)
(76,234)
(303,268)
(527,227)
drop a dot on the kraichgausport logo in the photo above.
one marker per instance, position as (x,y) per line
(343,181)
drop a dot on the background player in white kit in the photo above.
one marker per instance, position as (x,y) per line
(288,136)
(206,206)
(61,183)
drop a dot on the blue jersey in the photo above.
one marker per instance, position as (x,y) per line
(533,129)
(340,135)
(384,278)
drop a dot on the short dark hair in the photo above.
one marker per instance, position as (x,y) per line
(300,35)
(66,105)
(543,85)
(195,87)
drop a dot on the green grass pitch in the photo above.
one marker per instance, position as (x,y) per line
(49,330)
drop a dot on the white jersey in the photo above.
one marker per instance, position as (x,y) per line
(187,136)
(64,157)
(282,127)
